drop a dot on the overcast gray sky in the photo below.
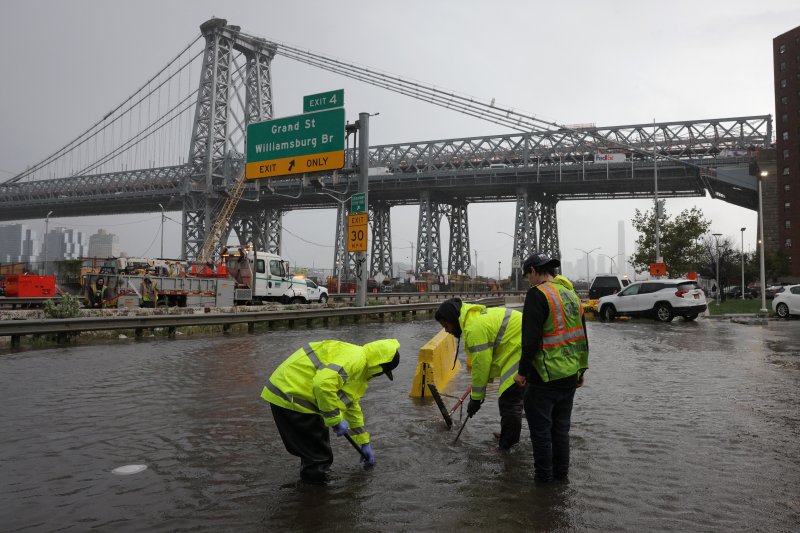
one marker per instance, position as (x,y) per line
(65,64)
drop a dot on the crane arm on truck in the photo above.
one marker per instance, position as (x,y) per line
(218,227)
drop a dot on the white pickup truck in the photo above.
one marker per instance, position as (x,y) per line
(267,277)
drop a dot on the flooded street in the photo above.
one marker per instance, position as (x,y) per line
(680,427)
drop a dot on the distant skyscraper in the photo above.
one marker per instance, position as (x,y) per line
(622,260)
(17,243)
(63,243)
(103,244)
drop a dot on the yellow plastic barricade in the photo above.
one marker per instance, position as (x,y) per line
(435,364)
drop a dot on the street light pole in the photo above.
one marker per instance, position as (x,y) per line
(743,262)
(515,258)
(46,231)
(162,230)
(763,243)
(587,262)
(716,239)
(498,275)
(613,263)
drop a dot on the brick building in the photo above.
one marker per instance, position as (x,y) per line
(786,58)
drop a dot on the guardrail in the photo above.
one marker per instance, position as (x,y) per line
(14,301)
(67,326)
(464,295)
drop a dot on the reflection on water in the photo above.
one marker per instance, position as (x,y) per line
(681,426)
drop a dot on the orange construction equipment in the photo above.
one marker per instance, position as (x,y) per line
(30,286)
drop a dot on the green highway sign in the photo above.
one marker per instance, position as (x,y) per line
(357,204)
(320,101)
(310,142)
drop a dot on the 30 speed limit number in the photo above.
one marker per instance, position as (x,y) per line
(357,232)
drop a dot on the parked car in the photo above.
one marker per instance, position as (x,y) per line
(787,302)
(662,299)
(772,290)
(604,284)
(735,292)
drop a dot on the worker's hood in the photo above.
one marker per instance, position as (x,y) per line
(563,281)
(383,356)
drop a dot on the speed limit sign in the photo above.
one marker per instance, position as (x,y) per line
(357,232)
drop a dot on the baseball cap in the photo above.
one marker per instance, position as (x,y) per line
(539,260)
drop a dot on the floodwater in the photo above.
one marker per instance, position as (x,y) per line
(680,427)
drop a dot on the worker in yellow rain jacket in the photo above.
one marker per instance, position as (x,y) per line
(319,387)
(492,339)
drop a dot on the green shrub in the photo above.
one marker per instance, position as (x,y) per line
(68,307)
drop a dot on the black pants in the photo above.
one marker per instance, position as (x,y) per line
(305,436)
(549,413)
(510,404)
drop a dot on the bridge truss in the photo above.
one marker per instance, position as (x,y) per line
(536,168)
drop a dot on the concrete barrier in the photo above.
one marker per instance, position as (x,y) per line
(435,364)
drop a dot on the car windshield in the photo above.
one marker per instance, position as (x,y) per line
(688,286)
(605,281)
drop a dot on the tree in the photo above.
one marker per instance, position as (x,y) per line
(681,248)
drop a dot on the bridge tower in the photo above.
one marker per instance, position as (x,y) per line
(381,255)
(429,249)
(459,260)
(548,225)
(213,160)
(525,236)
(342,260)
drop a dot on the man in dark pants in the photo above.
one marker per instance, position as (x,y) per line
(555,355)
(491,338)
(319,387)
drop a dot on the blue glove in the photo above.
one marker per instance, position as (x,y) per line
(341,428)
(366,449)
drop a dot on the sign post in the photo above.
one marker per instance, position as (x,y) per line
(362,264)
(295,145)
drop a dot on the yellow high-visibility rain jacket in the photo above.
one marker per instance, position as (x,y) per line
(492,338)
(328,378)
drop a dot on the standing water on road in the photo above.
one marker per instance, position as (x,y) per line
(680,427)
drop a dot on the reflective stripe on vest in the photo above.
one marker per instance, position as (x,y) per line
(497,339)
(557,339)
(553,296)
(299,401)
(510,372)
(312,355)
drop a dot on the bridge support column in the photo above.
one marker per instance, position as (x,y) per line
(263,229)
(429,249)
(459,261)
(381,248)
(548,226)
(342,260)
(209,143)
(525,235)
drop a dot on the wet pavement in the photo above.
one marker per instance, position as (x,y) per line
(680,427)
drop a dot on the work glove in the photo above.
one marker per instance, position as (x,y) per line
(473,406)
(341,428)
(366,449)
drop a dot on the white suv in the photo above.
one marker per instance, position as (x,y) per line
(662,299)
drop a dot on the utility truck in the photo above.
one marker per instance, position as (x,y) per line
(244,276)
